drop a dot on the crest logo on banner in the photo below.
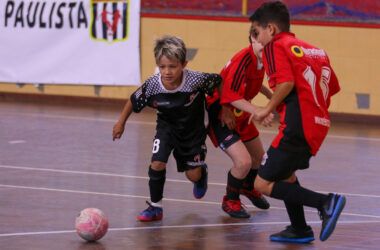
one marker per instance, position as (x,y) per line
(109,20)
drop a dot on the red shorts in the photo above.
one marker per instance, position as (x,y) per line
(247,131)
(222,136)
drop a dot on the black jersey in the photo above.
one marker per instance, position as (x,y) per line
(182,109)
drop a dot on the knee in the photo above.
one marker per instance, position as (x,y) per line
(157,175)
(263,186)
(158,165)
(194,174)
(244,164)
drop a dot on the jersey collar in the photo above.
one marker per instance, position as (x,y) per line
(282,34)
(184,75)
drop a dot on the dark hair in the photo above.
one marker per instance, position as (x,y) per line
(272,12)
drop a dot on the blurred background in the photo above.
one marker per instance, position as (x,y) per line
(348,30)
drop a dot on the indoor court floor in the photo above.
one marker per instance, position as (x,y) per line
(56,160)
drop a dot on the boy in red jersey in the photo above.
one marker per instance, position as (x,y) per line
(303,82)
(230,130)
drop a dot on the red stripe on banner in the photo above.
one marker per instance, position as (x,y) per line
(194,17)
(245,19)
(108,1)
(338,24)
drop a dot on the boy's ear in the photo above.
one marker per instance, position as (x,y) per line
(184,64)
(273,29)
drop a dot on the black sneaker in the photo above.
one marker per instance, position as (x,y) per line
(255,197)
(330,213)
(234,208)
(290,234)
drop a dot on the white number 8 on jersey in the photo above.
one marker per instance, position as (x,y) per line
(156,146)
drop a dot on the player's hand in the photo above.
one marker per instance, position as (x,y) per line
(267,121)
(228,118)
(259,114)
(118,130)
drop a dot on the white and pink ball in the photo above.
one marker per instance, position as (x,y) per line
(91,224)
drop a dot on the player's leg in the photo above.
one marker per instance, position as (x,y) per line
(256,151)
(329,206)
(229,141)
(199,176)
(194,174)
(276,168)
(241,166)
(157,176)
(191,160)
(298,230)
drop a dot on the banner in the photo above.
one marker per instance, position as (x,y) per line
(363,11)
(70,42)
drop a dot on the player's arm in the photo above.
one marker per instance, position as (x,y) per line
(282,90)
(244,105)
(212,82)
(136,103)
(266,91)
(119,126)
(280,72)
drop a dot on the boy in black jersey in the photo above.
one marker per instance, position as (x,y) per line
(178,94)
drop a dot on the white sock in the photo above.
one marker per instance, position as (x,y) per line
(156,204)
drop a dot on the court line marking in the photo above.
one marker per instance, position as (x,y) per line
(165,199)
(144,178)
(179,226)
(16,141)
(265,131)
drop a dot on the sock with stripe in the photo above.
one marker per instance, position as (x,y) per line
(233,186)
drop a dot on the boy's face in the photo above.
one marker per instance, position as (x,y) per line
(170,70)
(257,48)
(262,35)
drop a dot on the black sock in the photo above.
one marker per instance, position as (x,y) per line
(156,184)
(203,173)
(296,214)
(250,179)
(295,194)
(233,186)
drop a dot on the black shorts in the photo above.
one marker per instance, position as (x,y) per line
(219,135)
(188,154)
(279,164)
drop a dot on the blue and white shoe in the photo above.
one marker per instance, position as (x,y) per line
(151,213)
(330,213)
(200,187)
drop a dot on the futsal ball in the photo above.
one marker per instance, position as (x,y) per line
(91,224)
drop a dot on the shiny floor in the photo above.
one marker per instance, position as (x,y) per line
(56,160)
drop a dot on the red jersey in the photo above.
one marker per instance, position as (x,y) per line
(304,116)
(243,78)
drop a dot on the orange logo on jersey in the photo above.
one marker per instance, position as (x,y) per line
(238,112)
(297,51)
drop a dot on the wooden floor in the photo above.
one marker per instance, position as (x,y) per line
(56,160)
